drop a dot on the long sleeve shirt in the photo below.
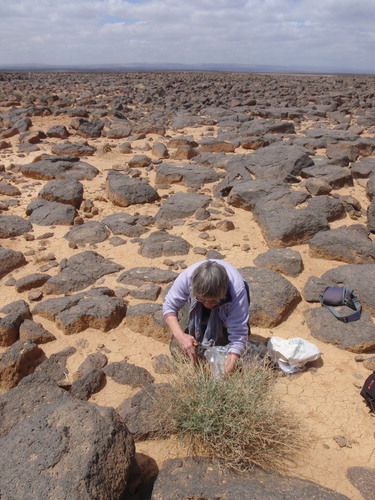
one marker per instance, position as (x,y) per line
(234,312)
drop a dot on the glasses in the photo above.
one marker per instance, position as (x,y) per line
(210,302)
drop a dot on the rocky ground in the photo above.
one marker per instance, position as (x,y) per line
(110,185)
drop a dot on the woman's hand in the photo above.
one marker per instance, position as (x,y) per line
(230,362)
(185,341)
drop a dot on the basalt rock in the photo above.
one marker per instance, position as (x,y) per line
(80,271)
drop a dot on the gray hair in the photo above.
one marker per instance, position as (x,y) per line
(210,279)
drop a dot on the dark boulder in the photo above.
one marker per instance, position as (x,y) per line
(89,232)
(73,149)
(67,191)
(288,226)
(356,336)
(88,384)
(343,244)
(123,190)
(10,260)
(18,361)
(128,374)
(181,206)
(50,213)
(273,297)
(140,275)
(161,243)
(31,331)
(89,460)
(148,320)
(13,225)
(59,167)
(198,477)
(186,174)
(140,413)
(55,366)
(128,225)
(80,271)
(13,315)
(97,308)
(282,260)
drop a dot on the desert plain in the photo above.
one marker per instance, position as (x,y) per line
(202,120)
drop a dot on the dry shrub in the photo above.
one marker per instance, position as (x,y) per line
(239,420)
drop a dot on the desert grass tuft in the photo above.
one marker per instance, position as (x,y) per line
(239,420)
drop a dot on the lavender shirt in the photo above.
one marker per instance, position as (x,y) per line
(234,314)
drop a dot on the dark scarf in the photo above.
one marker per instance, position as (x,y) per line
(213,333)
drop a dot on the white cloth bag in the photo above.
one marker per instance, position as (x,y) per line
(292,354)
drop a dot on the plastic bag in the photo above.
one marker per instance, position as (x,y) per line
(292,354)
(216,357)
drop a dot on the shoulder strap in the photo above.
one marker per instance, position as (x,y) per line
(351,301)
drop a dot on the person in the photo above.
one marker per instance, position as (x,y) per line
(214,301)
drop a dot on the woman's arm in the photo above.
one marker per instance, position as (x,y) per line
(185,341)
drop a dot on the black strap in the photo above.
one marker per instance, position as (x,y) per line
(351,301)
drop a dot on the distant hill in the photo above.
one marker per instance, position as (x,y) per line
(166,67)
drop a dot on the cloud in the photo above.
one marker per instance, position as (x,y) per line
(326,33)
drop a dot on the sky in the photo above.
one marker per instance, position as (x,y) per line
(328,35)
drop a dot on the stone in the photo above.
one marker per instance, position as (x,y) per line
(288,226)
(330,208)
(18,361)
(55,366)
(356,336)
(59,131)
(10,260)
(137,276)
(32,331)
(97,308)
(123,190)
(88,233)
(80,271)
(31,281)
(371,217)
(160,243)
(128,225)
(128,374)
(14,314)
(95,360)
(9,190)
(279,161)
(147,291)
(89,460)
(67,191)
(193,176)
(71,149)
(90,129)
(13,225)
(199,477)
(215,146)
(345,245)
(272,297)
(59,167)
(139,161)
(140,413)
(147,319)
(50,213)
(282,260)
(334,175)
(181,206)
(362,478)
(87,385)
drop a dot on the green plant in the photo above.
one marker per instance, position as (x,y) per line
(239,420)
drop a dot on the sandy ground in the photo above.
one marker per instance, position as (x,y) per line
(327,397)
